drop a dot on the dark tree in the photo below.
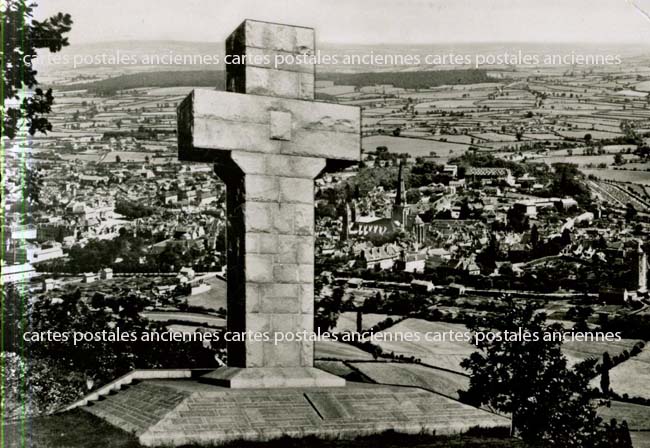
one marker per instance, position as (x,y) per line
(23,36)
(630,213)
(534,236)
(604,373)
(529,379)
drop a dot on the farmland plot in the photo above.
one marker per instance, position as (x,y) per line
(639,177)
(445,355)
(348,321)
(580,351)
(415,147)
(339,351)
(414,375)
(632,376)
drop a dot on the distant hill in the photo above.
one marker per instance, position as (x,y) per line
(216,79)
(172,78)
(409,80)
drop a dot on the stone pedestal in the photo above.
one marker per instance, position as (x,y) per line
(271,377)
(177,412)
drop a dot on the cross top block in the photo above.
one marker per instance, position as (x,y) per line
(273,60)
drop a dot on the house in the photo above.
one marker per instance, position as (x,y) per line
(456,289)
(106,274)
(89,277)
(422,286)
(490,175)
(413,262)
(206,197)
(525,208)
(566,204)
(93,180)
(382,257)
(354,283)
(169,197)
(49,284)
(187,272)
(17,273)
(451,170)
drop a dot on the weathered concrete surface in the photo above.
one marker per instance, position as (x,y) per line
(224,121)
(176,412)
(263,73)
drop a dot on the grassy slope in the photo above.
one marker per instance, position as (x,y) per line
(78,429)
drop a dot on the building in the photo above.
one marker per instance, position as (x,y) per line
(49,284)
(382,257)
(525,208)
(490,175)
(17,273)
(422,286)
(413,262)
(419,230)
(169,197)
(89,277)
(400,212)
(641,269)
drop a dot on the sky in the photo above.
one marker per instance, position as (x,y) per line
(362,21)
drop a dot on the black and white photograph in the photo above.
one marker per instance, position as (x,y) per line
(325,223)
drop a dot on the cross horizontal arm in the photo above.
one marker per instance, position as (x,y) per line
(223,121)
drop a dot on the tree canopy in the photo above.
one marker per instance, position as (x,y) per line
(528,378)
(23,103)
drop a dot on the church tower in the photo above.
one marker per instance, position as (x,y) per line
(348,221)
(642,268)
(419,231)
(400,207)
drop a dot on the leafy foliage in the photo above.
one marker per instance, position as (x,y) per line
(528,378)
(57,371)
(23,36)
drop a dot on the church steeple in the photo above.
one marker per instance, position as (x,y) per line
(400,197)
(400,207)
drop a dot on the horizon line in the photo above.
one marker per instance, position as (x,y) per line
(487,42)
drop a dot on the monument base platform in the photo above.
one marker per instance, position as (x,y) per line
(178,412)
(271,377)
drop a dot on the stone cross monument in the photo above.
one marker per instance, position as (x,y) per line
(268,140)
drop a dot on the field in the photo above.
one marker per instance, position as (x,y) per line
(348,321)
(643,86)
(445,355)
(448,355)
(338,368)
(213,299)
(447,104)
(415,147)
(639,177)
(631,377)
(339,350)
(637,416)
(585,160)
(580,351)
(582,132)
(440,381)
(137,156)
